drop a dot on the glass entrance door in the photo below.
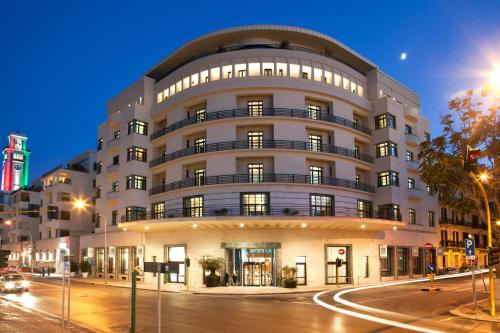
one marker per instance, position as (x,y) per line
(252,274)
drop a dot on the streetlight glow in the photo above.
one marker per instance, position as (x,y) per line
(8,222)
(484,177)
(79,204)
(495,78)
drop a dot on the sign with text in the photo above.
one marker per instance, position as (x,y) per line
(161,267)
(382,251)
(414,251)
(140,251)
(470,250)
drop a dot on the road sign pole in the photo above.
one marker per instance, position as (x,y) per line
(474,282)
(63,296)
(132,311)
(159,298)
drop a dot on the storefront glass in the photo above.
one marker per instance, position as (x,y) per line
(123,259)
(344,271)
(251,267)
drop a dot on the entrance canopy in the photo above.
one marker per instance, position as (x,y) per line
(263,222)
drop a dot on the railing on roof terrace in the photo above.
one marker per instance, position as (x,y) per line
(266,112)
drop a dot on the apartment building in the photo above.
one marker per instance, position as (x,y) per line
(454,229)
(266,146)
(61,224)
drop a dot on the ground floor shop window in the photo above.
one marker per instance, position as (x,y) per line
(334,252)
(403,256)
(301,275)
(418,261)
(100,260)
(123,257)
(176,254)
(387,264)
(251,266)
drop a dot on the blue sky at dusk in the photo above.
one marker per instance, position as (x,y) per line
(61,61)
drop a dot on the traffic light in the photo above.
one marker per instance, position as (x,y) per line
(187,262)
(471,156)
(4,258)
(493,256)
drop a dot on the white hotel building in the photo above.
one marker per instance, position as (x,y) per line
(266,146)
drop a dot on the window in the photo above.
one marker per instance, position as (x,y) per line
(114,187)
(388,178)
(138,127)
(242,73)
(114,217)
(98,191)
(64,196)
(193,206)
(364,208)
(254,204)
(268,72)
(409,155)
(123,257)
(134,213)
(315,142)
(255,108)
(428,189)
(199,145)
(176,255)
(136,182)
(357,151)
(408,129)
(116,160)
(255,139)
(200,177)
(427,137)
(321,205)
(385,120)
(411,183)
(255,172)
(98,167)
(431,218)
(137,154)
(158,210)
(412,215)
(387,148)
(100,141)
(316,174)
(97,218)
(390,212)
(65,215)
(201,115)
(314,111)
(116,135)
(403,257)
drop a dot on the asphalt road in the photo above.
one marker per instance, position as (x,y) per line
(107,309)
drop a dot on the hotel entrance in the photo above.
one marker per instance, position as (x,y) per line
(254,267)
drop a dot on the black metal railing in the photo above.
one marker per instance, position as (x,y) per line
(264,144)
(452,243)
(463,223)
(281,210)
(266,112)
(264,178)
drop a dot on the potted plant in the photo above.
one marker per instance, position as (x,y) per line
(288,277)
(85,268)
(73,266)
(213,265)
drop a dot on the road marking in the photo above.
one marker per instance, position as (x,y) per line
(383,321)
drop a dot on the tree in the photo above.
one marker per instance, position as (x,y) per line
(472,121)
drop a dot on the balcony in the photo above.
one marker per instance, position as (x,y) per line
(264,144)
(113,143)
(462,223)
(265,178)
(411,113)
(412,165)
(113,168)
(412,139)
(452,244)
(415,193)
(266,112)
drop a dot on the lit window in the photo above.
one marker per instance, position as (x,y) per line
(390,212)
(412,215)
(294,70)
(316,174)
(337,79)
(315,142)
(254,69)
(158,210)
(255,172)
(408,129)
(194,79)
(137,154)
(199,145)
(387,178)
(136,182)
(159,97)
(281,68)
(328,77)
(178,86)
(386,149)
(185,82)
(215,73)
(138,127)
(227,71)
(409,155)
(431,218)
(314,111)
(241,70)
(115,187)
(318,74)
(100,141)
(200,177)
(385,120)
(306,72)
(255,108)
(321,205)
(255,139)
(201,115)
(411,183)
(364,208)
(134,213)
(268,68)
(193,206)
(204,76)
(254,204)
(345,83)
(360,91)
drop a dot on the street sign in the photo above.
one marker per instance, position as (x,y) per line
(383,251)
(470,251)
(428,246)
(414,251)
(341,251)
(161,267)
(431,267)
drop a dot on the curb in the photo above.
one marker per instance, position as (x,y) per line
(458,313)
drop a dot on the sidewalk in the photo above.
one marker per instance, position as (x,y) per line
(179,288)
(481,312)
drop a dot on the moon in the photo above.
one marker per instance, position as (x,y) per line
(403,56)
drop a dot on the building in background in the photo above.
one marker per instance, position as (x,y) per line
(61,224)
(15,163)
(270,146)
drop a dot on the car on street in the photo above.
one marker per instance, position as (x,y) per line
(13,283)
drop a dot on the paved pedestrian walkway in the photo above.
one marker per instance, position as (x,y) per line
(480,312)
(177,287)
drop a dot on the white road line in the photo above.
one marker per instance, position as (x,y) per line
(383,321)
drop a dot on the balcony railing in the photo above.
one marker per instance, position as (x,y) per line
(266,112)
(264,144)
(451,243)
(264,210)
(468,224)
(264,178)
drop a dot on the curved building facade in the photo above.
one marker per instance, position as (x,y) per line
(268,146)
